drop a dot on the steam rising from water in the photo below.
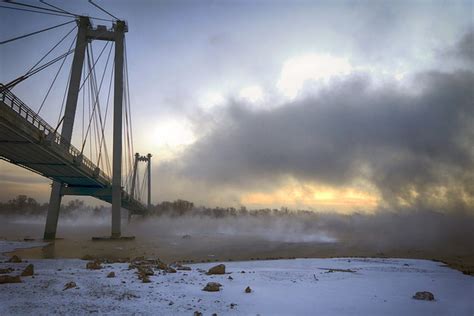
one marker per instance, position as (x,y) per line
(382,231)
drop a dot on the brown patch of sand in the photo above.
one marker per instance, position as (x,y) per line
(201,249)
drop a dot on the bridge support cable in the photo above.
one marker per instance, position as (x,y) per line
(57,8)
(103,10)
(95,91)
(35,68)
(102,140)
(128,121)
(39,8)
(51,49)
(54,79)
(83,121)
(101,121)
(35,11)
(63,101)
(34,33)
(42,10)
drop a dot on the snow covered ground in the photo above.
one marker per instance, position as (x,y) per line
(279,287)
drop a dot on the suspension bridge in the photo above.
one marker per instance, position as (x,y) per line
(28,141)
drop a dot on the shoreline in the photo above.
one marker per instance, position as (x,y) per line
(462,263)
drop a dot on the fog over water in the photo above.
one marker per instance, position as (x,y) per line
(407,233)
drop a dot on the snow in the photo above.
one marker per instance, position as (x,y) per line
(279,287)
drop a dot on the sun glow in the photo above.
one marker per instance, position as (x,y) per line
(297,70)
(253,94)
(210,100)
(170,136)
(296,195)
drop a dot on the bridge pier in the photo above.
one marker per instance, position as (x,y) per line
(83,24)
(53,212)
(117,132)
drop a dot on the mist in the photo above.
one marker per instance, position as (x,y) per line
(235,234)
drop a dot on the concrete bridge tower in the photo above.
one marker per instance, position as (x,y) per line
(86,33)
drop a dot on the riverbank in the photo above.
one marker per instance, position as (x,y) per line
(342,286)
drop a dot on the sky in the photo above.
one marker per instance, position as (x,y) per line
(342,106)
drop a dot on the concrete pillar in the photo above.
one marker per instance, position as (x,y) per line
(134,176)
(117,133)
(83,24)
(149,182)
(53,212)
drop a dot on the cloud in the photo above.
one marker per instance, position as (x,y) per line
(459,53)
(414,146)
(465,47)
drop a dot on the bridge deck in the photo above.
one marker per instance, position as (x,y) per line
(28,141)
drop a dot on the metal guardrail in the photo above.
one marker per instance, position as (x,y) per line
(50,133)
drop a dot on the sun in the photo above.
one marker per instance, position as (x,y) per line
(171,134)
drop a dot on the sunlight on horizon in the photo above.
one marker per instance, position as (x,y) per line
(318,197)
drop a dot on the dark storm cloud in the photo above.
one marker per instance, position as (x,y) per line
(461,51)
(400,141)
(465,47)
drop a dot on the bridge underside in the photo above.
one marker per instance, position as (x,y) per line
(29,144)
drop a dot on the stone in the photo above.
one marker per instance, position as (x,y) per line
(93,265)
(145,279)
(424,296)
(111,274)
(69,285)
(87,257)
(138,259)
(219,269)
(248,289)
(15,259)
(184,268)
(144,270)
(161,265)
(212,287)
(197,313)
(5,271)
(9,279)
(29,270)
(170,270)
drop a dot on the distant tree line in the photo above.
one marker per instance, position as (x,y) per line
(28,206)
(186,208)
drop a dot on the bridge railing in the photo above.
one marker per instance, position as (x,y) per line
(50,133)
